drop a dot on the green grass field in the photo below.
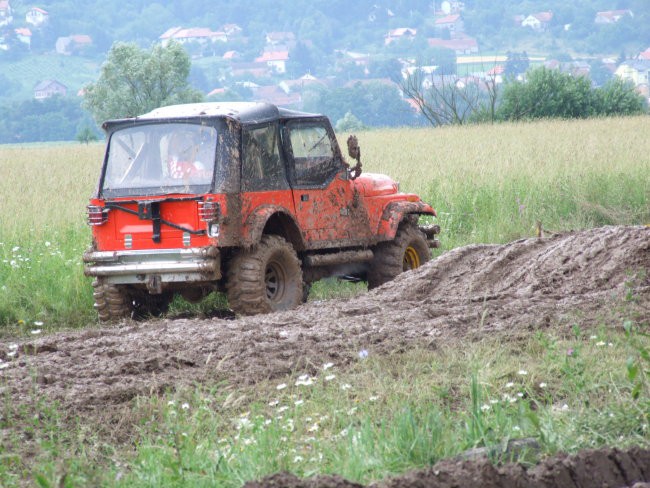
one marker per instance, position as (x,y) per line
(381,415)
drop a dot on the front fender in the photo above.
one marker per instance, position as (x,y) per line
(395,212)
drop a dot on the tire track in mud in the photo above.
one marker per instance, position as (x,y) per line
(601,468)
(466,293)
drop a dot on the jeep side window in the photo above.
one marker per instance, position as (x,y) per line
(313,155)
(262,168)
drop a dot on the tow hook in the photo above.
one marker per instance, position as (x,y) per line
(430,232)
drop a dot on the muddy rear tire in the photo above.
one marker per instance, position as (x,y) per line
(409,250)
(114,303)
(265,279)
(111,302)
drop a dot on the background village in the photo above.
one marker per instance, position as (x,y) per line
(280,71)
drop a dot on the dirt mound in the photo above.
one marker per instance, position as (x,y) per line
(468,292)
(588,469)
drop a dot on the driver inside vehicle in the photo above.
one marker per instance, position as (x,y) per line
(184,156)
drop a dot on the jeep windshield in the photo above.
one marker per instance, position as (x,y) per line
(155,159)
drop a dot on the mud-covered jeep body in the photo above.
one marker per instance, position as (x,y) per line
(246,198)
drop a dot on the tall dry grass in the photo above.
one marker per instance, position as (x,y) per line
(45,188)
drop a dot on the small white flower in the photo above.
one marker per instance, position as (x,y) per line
(15,248)
(352,411)
(516,427)
(330,377)
(36,331)
(609,344)
(185,406)
(4,365)
(373,398)
(520,395)
(494,402)
(38,323)
(593,337)
(327,366)
(542,385)
(600,343)
(274,403)
(298,459)
(346,386)
(11,354)
(363,354)
(281,386)
(298,402)
(522,372)
(171,403)
(565,407)
(485,408)
(13,347)
(283,408)
(313,428)
(303,377)
(510,384)
(47,243)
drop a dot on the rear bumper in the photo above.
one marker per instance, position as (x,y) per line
(161,265)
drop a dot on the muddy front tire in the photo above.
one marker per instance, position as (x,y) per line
(265,279)
(409,250)
(111,302)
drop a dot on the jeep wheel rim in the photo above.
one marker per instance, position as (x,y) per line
(411,259)
(274,280)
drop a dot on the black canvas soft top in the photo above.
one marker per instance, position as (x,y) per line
(245,113)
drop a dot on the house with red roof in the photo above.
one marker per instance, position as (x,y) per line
(192,35)
(276,60)
(6,15)
(538,22)
(49,88)
(612,16)
(281,38)
(24,35)
(37,17)
(452,22)
(399,34)
(73,44)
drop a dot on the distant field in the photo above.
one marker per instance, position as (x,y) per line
(73,71)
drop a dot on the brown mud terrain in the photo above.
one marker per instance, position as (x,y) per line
(465,294)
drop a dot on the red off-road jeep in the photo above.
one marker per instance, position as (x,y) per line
(244,198)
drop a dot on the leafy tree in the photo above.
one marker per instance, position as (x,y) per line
(349,123)
(516,63)
(375,103)
(86,135)
(53,119)
(547,93)
(134,81)
(618,97)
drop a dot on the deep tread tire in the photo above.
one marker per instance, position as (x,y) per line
(409,250)
(266,278)
(111,302)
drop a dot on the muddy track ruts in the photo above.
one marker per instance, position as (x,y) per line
(601,468)
(466,293)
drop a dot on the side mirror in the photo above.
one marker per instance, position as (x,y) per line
(353,148)
(355,153)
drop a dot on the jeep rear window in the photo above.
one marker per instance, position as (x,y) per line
(155,159)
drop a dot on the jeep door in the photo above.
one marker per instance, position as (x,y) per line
(326,207)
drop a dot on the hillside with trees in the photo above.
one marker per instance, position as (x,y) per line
(327,56)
